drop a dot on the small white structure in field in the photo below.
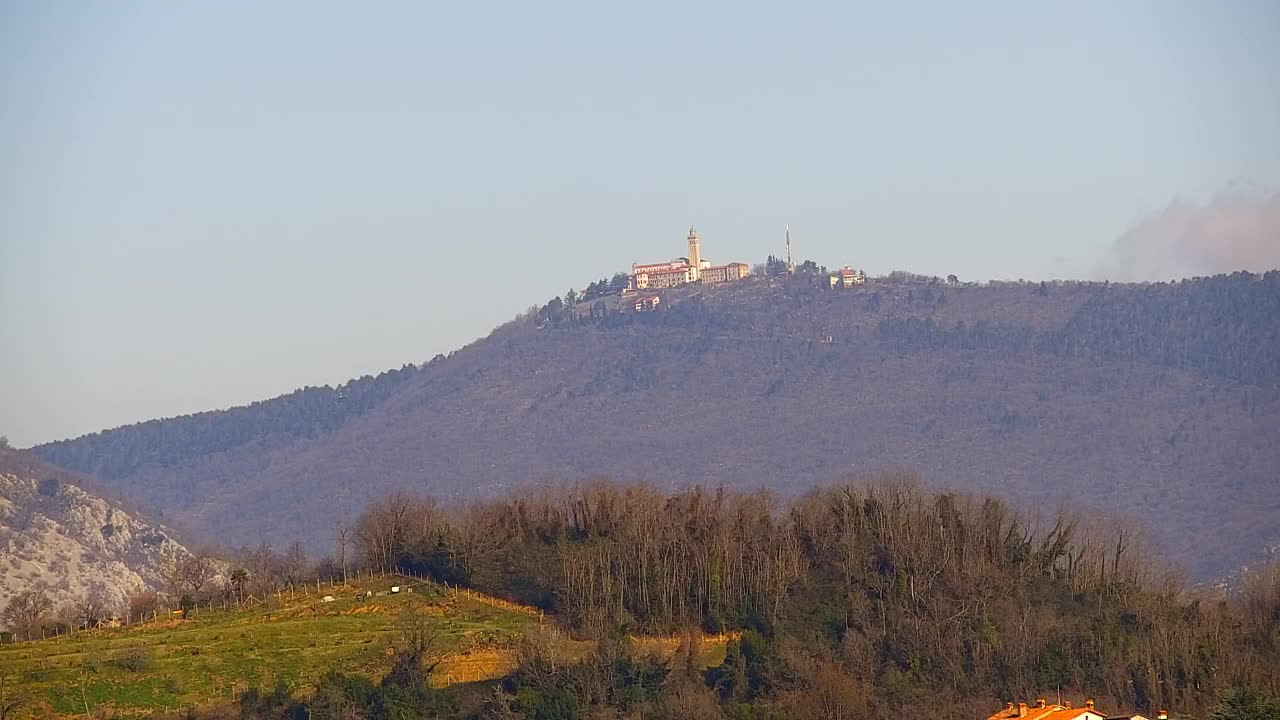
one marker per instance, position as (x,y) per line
(327,598)
(395,588)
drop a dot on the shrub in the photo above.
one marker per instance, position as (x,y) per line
(134,660)
(143,604)
(1245,704)
(547,703)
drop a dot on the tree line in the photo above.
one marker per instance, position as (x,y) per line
(901,590)
(305,413)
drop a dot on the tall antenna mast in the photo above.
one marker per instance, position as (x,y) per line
(790,265)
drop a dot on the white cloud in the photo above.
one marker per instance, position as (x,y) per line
(1238,230)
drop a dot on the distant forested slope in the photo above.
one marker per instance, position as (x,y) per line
(306,413)
(1222,326)
(1227,325)
(1158,401)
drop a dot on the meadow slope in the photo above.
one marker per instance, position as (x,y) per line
(175,663)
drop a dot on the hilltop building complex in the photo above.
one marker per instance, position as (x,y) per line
(847,277)
(685,270)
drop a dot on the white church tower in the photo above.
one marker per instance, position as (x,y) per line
(695,254)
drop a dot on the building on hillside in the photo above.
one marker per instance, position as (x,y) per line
(695,255)
(1043,710)
(663,275)
(725,273)
(647,303)
(685,270)
(848,277)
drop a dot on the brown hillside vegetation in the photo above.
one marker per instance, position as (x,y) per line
(1156,402)
(913,597)
(877,600)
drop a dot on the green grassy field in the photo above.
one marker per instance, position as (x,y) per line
(172,664)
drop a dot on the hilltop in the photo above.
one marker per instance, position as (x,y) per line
(1158,404)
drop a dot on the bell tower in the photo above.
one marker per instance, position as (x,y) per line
(695,252)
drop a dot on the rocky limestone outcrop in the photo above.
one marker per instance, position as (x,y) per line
(57,537)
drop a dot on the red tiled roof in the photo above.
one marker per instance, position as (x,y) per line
(1046,712)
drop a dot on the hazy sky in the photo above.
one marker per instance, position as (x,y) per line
(204,204)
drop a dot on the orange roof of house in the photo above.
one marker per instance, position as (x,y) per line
(1046,711)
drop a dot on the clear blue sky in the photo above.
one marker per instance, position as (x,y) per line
(204,204)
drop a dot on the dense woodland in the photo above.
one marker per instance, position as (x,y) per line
(1161,400)
(859,601)
(305,413)
(1223,326)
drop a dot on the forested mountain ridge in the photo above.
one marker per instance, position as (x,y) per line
(305,413)
(1223,326)
(1160,401)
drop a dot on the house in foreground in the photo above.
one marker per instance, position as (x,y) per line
(1043,710)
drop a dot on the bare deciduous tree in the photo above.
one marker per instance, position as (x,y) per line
(90,609)
(418,649)
(381,530)
(26,611)
(293,566)
(143,604)
(343,537)
(196,570)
